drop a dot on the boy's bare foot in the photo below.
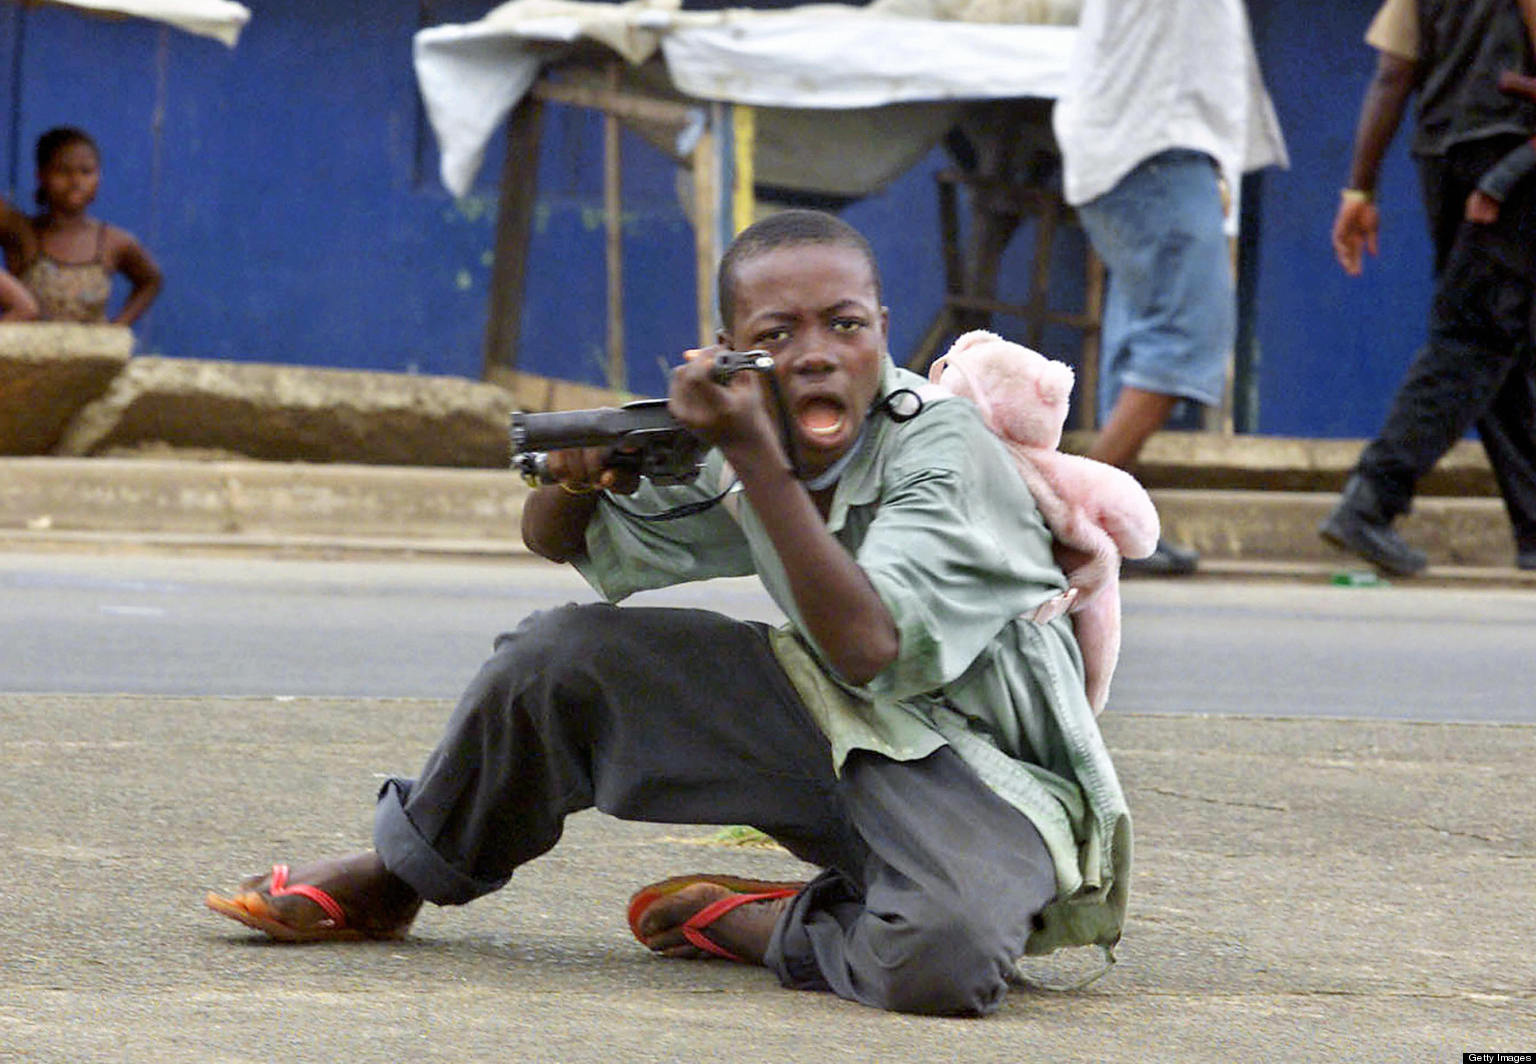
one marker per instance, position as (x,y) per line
(369,901)
(741,932)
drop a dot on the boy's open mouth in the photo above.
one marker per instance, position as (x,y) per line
(819,418)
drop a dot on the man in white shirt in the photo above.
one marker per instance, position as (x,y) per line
(1163,109)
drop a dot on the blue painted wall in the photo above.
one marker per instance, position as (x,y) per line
(289,189)
(564,310)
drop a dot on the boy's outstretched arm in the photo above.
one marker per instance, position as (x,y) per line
(554,523)
(838,605)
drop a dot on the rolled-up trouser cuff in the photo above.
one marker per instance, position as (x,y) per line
(408,855)
(790,954)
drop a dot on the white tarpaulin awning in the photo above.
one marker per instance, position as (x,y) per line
(815,57)
(220,19)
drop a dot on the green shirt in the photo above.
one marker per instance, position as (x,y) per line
(936,514)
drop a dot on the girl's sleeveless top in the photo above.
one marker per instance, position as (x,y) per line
(70,291)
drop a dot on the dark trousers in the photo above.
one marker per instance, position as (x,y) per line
(1477,367)
(931,883)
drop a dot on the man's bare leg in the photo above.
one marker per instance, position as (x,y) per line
(1138,414)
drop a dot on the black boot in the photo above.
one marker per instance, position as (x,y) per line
(1358,524)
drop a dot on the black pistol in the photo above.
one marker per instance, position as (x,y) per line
(644,436)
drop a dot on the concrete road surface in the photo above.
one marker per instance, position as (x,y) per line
(1305,890)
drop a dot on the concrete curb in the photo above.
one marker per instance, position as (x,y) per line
(1282,526)
(309,510)
(258,499)
(1214,461)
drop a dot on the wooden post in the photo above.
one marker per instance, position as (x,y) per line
(616,104)
(514,226)
(613,225)
(1040,269)
(723,201)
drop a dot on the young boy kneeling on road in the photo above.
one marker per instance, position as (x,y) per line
(910,730)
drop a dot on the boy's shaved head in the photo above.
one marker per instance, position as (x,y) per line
(787,229)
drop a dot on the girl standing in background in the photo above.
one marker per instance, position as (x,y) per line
(64,257)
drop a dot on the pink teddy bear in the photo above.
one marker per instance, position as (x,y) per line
(1098,513)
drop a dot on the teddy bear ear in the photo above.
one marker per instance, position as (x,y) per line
(1056,380)
(974,338)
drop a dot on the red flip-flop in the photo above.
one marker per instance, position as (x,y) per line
(743,892)
(252,909)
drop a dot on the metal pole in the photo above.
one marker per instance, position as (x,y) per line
(1247,356)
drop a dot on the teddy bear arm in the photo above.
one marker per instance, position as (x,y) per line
(1133,525)
(1118,503)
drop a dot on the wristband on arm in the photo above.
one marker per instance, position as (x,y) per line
(1504,175)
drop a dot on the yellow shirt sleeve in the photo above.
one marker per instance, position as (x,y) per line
(1395,29)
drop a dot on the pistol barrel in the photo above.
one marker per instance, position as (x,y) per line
(560,429)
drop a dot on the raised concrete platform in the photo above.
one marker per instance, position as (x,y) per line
(292,413)
(377,458)
(48,371)
(75,390)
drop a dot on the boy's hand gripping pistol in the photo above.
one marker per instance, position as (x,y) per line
(643,436)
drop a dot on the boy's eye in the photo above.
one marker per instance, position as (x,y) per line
(771,336)
(846,325)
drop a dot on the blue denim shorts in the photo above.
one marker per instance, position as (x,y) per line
(1170,314)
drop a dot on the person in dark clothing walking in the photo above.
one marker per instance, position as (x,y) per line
(1477,366)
